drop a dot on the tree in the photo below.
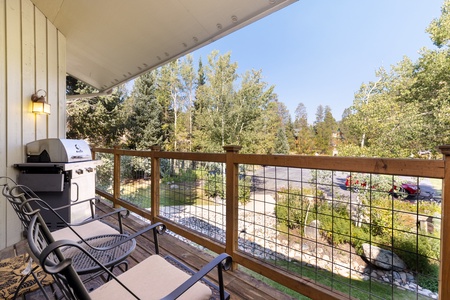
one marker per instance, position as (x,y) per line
(281,143)
(168,95)
(381,120)
(188,89)
(324,127)
(439,29)
(303,132)
(408,109)
(215,103)
(251,102)
(99,120)
(143,114)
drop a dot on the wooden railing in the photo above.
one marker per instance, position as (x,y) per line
(232,160)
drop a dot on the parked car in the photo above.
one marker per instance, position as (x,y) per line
(403,191)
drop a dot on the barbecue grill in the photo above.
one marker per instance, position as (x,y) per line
(61,172)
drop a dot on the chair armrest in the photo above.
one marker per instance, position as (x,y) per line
(46,206)
(24,191)
(158,228)
(221,262)
(65,263)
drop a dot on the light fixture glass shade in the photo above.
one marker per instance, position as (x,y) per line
(41,108)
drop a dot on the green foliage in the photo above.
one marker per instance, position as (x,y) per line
(439,28)
(215,186)
(421,253)
(183,175)
(407,109)
(104,175)
(303,133)
(281,143)
(226,116)
(245,187)
(296,209)
(99,120)
(324,126)
(143,114)
(293,205)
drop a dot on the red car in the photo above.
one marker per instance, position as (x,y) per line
(405,190)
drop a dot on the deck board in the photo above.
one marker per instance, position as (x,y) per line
(240,285)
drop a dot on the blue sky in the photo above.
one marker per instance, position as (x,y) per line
(319,52)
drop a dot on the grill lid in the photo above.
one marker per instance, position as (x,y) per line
(58,150)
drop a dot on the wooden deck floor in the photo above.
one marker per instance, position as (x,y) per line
(239,284)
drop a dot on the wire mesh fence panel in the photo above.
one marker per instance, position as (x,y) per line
(365,235)
(135,180)
(192,194)
(105,172)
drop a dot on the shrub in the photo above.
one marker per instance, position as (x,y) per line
(293,206)
(215,187)
(184,175)
(421,254)
(245,187)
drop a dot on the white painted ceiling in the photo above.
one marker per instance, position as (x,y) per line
(110,42)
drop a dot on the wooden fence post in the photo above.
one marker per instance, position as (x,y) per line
(155,177)
(116,176)
(444,270)
(232,200)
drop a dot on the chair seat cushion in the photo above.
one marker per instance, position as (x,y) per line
(153,278)
(87,230)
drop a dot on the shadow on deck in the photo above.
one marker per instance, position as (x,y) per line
(238,283)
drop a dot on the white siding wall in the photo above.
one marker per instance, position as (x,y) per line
(32,57)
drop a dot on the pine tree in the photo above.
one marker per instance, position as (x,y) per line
(144,114)
(281,143)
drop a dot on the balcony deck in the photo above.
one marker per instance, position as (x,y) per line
(239,284)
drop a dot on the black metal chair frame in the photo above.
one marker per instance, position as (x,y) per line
(52,260)
(20,197)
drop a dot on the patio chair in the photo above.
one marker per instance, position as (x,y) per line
(91,233)
(153,278)
(16,194)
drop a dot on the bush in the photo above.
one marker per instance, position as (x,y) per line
(215,187)
(184,175)
(421,254)
(387,229)
(293,205)
(245,186)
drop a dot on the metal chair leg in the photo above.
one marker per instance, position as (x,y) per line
(41,287)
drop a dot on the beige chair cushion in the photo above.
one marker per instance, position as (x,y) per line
(94,228)
(153,278)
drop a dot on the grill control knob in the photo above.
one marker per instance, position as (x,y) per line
(90,170)
(79,171)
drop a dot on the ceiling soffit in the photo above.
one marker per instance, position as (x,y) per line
(110,42)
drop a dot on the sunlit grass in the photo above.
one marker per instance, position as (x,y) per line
(171,194)
(356,288)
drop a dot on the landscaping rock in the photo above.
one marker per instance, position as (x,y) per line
(383,258)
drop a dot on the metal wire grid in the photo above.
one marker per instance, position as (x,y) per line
(192,194)
(135,180)
(105,174)
(315,249)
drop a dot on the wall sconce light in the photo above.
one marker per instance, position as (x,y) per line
(40,105)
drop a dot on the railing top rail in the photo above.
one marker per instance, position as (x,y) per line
(210,157)
(390,166)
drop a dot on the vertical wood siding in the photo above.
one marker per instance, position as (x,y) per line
(32,57)
(2,116)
